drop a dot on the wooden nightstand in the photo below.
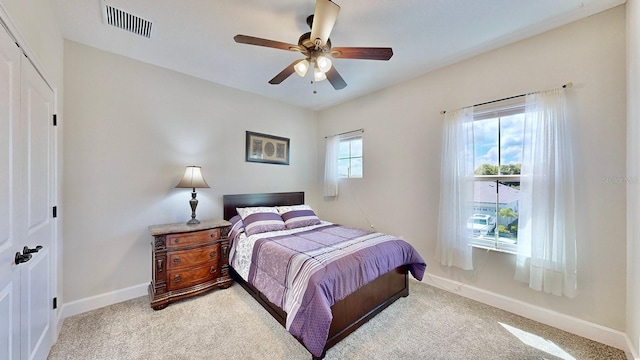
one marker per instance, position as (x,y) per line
(188,260)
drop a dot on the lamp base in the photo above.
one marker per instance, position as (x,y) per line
(193,203)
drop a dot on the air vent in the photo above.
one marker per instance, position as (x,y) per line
(125,21)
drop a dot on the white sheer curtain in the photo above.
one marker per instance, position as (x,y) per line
(546,237)
(456,190)
(331,167)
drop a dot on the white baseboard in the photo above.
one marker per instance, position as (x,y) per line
(632,353)
(59,320)
(98,301)
(586,329)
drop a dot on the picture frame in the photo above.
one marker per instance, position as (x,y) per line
(264,148)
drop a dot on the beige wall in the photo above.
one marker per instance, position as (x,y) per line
(131,128)
(399,193)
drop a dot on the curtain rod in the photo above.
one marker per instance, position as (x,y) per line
(565,86)
(344,133)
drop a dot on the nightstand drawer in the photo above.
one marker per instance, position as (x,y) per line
(178,279)
(193,257)
(195,238)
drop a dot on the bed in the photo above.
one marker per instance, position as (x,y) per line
(348,312)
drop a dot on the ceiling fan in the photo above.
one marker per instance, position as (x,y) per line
(316,45)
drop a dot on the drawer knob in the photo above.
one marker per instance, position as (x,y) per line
(213,254)
(176,241)
(177,260)
(177,278)
(212,270)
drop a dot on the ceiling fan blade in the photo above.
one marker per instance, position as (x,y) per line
(284,73)
(324,17)
(366,53)
(251,40)
(335,79)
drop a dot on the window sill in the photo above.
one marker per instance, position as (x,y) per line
(494,248)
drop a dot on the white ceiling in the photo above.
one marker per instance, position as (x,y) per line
(195,37)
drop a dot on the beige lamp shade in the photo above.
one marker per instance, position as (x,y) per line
(192,178)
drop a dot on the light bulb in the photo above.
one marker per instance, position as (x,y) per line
(323,63)
(318,75)
(301,67)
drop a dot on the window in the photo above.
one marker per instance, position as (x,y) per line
(350,157)
(522,161)
(498,133)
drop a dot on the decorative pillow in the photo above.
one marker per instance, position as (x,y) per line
(237,228)
(298,216)
(260,219)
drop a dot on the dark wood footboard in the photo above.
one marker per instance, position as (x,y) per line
(351,312)
(358,308)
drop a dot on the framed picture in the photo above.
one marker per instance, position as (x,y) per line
(265,148)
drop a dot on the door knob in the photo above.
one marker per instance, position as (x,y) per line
(20,258)
(26,250)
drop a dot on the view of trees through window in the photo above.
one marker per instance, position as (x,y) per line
(497,162)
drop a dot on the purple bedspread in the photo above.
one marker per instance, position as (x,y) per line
(307,272)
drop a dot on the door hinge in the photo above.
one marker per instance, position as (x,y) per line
(55,303)
(55,120)
(55,211)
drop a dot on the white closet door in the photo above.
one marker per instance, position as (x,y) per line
(10,182)
(26,195)
(36,115)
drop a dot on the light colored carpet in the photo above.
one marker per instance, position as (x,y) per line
(230,324)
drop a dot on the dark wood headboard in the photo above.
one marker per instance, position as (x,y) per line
(231,202)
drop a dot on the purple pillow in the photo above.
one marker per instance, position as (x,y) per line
(237,228)
(260,219)
(298,216)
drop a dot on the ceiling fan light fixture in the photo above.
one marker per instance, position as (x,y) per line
(315,46)
(324,64)
(301,67)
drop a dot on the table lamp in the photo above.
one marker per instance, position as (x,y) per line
(193,179)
